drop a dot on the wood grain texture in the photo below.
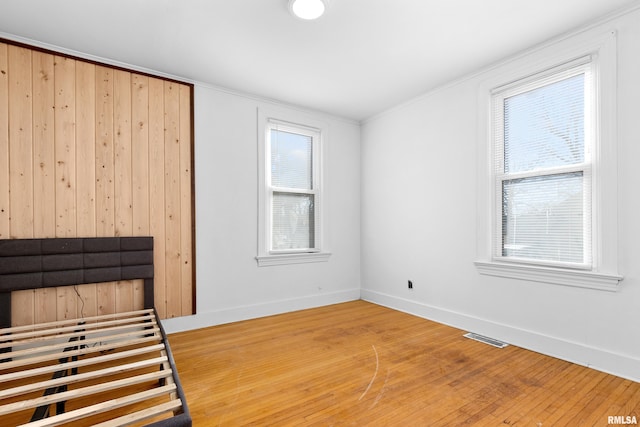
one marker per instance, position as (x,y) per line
(140,152)
(21,173)
(172,197)
(156,189)
(44,202)
(186,215)
(86,148)
(65,147)
(82,153)
(362,364)
(20,143)
(4,141)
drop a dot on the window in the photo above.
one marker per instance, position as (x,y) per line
(542,168)
(292,181)
(547,160)
(291,190)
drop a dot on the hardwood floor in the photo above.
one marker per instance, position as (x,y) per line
(357,364)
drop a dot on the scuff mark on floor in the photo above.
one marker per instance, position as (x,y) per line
(374,374)
(382,390)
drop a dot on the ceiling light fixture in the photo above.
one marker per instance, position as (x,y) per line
(308,9)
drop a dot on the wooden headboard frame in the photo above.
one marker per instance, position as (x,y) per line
(42,263)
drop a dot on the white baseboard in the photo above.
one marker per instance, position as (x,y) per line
(236,314)
(612,363)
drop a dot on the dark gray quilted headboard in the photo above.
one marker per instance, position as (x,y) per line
(43,263)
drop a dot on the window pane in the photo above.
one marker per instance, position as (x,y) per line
(293,221)
(544,127)
(542,218)
(291,160)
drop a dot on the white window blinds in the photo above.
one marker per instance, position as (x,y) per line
(543,168)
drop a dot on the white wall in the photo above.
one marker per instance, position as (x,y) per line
(230,285)
(420,222)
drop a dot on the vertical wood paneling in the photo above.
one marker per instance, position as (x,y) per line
(105,187)
(20,143)
(21,165)
(138,294)
(106,298)
(65,159)
(140,153)
(88,300)
(46,309)
(23,307)
(123,202)
(66,303)
(156,190)
(44,169)
(88,150)
(123,175)
(186,259)
(172,197)
(86,172)
(65,146)
(4,141)
(104,153)
(140,171)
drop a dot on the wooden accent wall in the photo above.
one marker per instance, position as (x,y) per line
(91,150)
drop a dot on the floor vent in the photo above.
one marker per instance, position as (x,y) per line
(486,340)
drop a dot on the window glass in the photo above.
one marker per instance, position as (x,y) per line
(543,218)
(544,127)
(291,160)
(293,221)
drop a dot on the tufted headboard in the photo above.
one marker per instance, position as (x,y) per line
(50,262)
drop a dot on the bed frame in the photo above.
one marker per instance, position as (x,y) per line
(108,370)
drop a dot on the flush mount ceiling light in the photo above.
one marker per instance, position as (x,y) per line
(307,9)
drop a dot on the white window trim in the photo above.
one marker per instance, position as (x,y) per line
(603,274)
(265,256)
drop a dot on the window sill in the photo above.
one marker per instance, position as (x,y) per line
(558,276)
(299,258)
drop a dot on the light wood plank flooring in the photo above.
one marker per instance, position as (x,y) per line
(359,364)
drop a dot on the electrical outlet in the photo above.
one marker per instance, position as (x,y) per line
(410,284)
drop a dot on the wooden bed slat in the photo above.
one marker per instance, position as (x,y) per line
(89,320)
(78,331)
(83,392)
(79,363)
(71,379)
(84,336)
(102,407)
(80,352)
(99,343)
(142,415)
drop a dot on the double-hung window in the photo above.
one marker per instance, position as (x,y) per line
(547,166)
(292,205)
(293,187)
(543,168)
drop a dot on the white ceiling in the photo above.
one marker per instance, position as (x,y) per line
(361,58)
